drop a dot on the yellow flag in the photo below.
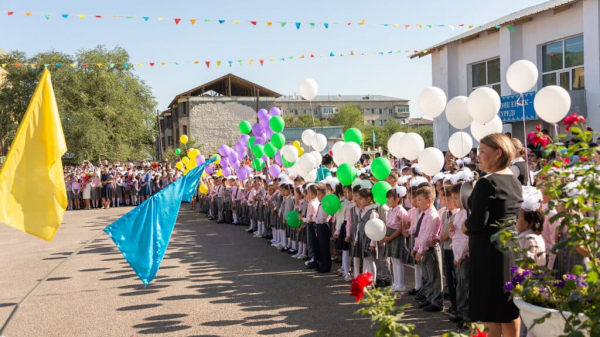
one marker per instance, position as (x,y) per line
(32,187)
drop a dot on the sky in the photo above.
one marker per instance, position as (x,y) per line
(157,41)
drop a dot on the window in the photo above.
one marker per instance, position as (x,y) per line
(372,111)
(402,109)
(171,141)
(304,112)
(183,108)
(296,112)
(185,130)
(562,63)
(176,113)
(390,110)
(486,74)
(169,122)
(162,141)
(372,122)
(381,122)
(327,110)
(380,111)
(162,125)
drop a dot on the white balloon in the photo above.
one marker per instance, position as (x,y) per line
(311,176)
(522,76)
(394,145)
(306,163)
(412,145)
(431,161)
(318,157)
(307,136)
(483,104)
(552,103)
(375,229)
(351,153)
(308,89)
(290,153)
(479,130)
(432,101)
(319,142)
(336,149)
(460,144)
(457,113)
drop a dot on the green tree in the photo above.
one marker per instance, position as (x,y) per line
(105,108)
(350,116)
(303,121)
(383,133)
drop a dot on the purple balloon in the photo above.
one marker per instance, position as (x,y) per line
(274,112)
(209,170)
(233,156)
(265,158)
(257,130)
(236,164)
(278,158)
(274,170)
(260,140)
(200,159)
(244,139)
(264,117)
(226,172)
(224,150)
(224,162)
(269,133)
(242,174)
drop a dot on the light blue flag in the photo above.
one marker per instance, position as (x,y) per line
(374,139)
(143,234)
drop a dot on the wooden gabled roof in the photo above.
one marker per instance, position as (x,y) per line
(228,86)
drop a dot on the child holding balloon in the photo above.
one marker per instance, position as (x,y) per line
(365,248)
(340,228)
(287,206)
(302,239)
(395,243)
(351,227)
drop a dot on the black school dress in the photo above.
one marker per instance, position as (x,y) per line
(495,198)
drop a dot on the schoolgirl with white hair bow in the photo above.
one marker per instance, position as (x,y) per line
(530,223)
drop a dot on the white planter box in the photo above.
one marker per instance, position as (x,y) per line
(552,326)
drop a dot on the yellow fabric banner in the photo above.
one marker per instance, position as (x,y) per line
(33,197)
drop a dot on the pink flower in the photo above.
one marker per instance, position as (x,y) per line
(535,138)
(569,121)
(357,289)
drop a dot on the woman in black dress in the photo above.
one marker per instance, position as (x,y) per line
(497,197)
(107,188)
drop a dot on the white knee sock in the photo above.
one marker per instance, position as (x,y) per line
(398,268)
(277,237)
(234,217)
(295,245)
(273,233)
(346,261)
(371,266)
(356,266)
(418,276)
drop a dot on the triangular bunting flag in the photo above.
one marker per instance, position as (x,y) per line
(73,65)
(362,22)
(163,63)
(28,14)
(261,61)
(65,15)
(272,60)
(152,64)
(312,25)
(462,25)
(297,25)
(230,63)
(283,24)
(349,23)
(126,64)
(235,21)
(196,62)
(451,27)
(240,62)
(283,59)
(218,64)
(351,53)
(193,21)
(176,63)
(269,23)
(331,54)
(207,64)
(312,55)
(250,62)
(47,16)
(3,65)
(206,20)
(139,64)
(177,21)
(291,57)
(302,56)
(99,64)
(430,26)
(10,13)
(326,25)
(19,64)
(59,64)
(470,26)
(253,23)
(146,18)
(85,65)
(396,25)
(81,16)
(98,16)
(419,25)
(112,65)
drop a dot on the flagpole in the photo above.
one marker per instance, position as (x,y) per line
(16,308)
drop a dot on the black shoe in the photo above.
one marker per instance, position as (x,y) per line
(220,221)
(420,298)
(413,292)
(456,319)
(452,311)
(313,265)
(292,251)
(380,284)
(285,250)
(323,271)
(423,304)
(432,308)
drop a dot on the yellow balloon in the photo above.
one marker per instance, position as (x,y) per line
(192,164)
(186,172)
(300,151)
(204,174)
(183,139)
(186,161)
(296,144)
(179,165)
(219,173)
(203,189)
(218,160)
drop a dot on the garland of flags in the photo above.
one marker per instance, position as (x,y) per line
(208,64)
(282,24)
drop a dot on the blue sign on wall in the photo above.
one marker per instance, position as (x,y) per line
(511,109)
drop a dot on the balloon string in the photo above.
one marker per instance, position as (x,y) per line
(522,99)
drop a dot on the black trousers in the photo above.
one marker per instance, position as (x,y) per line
(323,238)
(450,275)
(312,241)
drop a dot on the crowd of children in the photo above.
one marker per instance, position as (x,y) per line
(425,219)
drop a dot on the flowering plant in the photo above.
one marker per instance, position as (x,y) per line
(569,121)
(538,138)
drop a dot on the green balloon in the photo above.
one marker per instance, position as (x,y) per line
(353,135)
(258,164)
(381,168)
(251,142)
(346,173)
(287,163)
(245,127)
(177,151)
(277,124)
(258,151)
(293,219)
(380,191)
(331,204)
(278,140)
(270,150)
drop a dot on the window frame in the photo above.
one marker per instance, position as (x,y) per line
(488,84)
(558,72)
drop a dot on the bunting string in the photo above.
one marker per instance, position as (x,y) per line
(213,63)
(274,23)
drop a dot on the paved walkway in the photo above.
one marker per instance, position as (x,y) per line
(215,280)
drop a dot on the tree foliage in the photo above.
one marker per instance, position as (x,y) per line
(105,110)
